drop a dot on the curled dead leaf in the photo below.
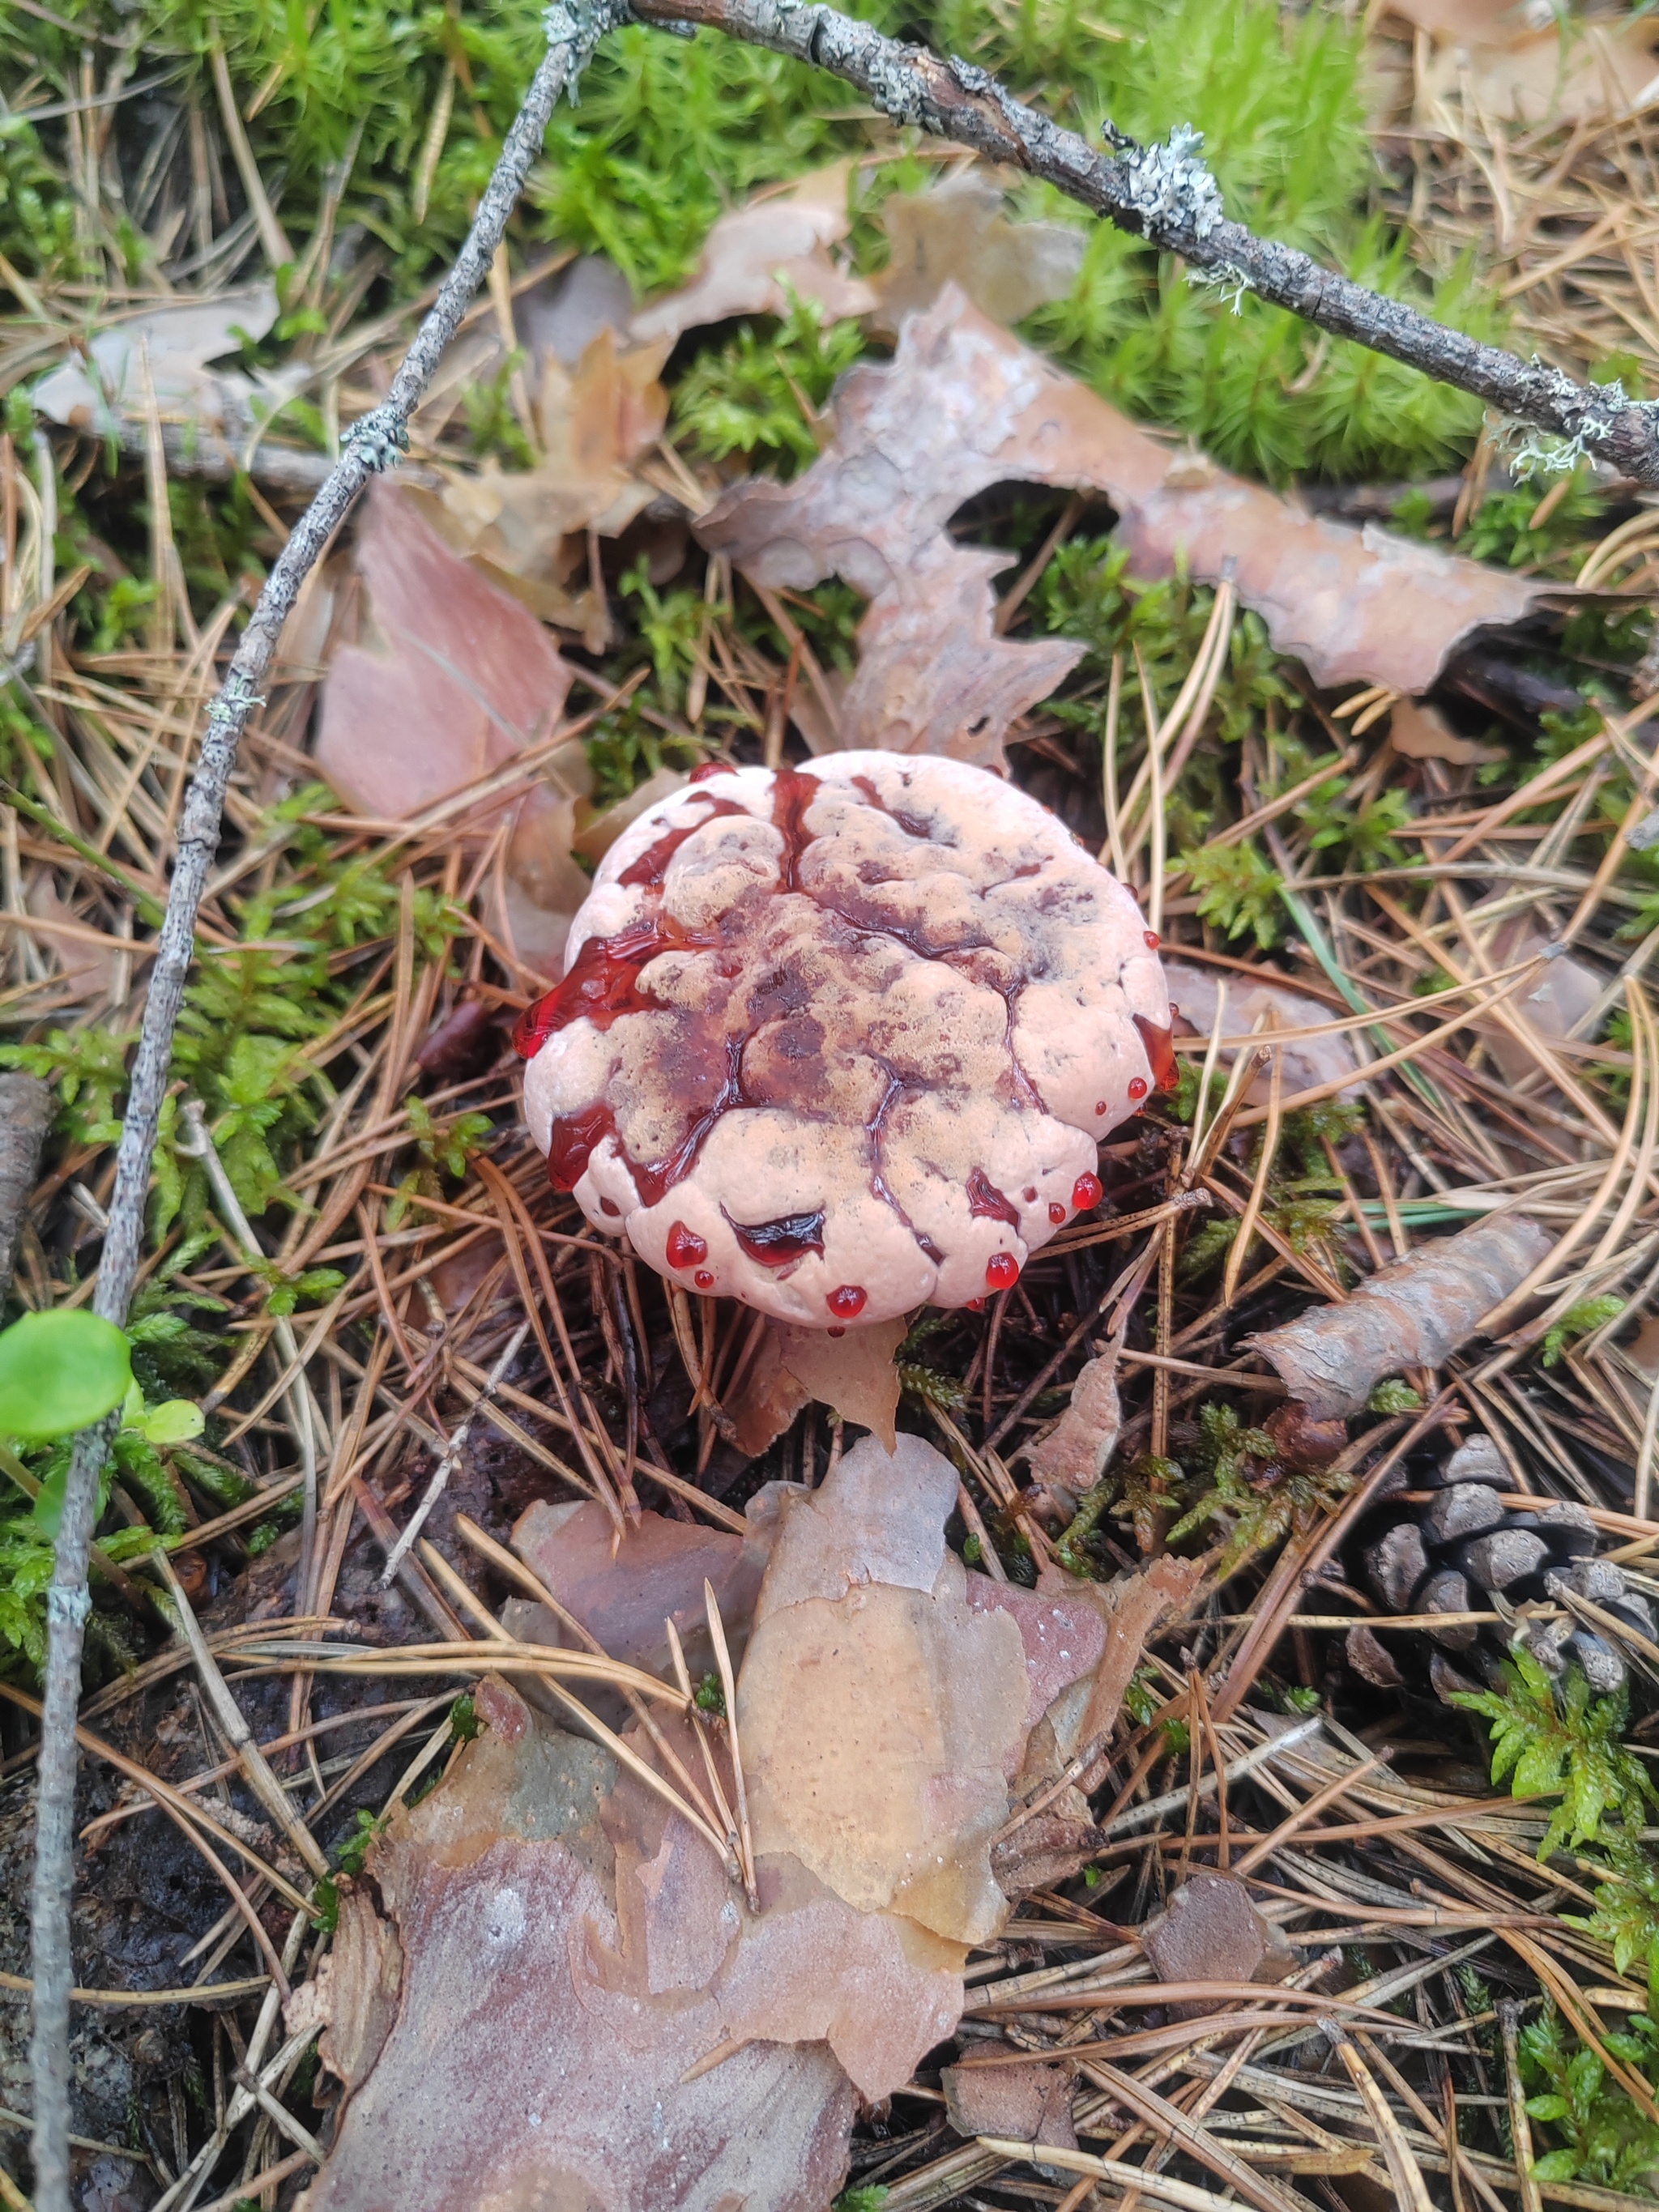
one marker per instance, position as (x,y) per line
(963,406)
(757,255)
(956,231)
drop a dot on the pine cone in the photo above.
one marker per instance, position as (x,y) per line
(1464,1550)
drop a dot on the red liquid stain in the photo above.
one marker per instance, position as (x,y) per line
(1160,1053)
(1056,1214)
(603,985)
(792,795)
(848,1302)
(709,768)
(609,1205)
(985,1202)
(1086,1193)
(685,1247)
(652,864)
(703,1280)
(574,1139)
(775,1243)
(1001,1271)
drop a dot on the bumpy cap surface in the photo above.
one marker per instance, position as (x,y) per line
(840,1041)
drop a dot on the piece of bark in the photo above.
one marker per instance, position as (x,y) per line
(1076,1450)
(854,1375)
(1136,1604)
(25,1110)
(1210,1931)
(1022,2102)
(354,1995)
(1413,1314)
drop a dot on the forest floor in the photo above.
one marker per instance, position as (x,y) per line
(1388,793)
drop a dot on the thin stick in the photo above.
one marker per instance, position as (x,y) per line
(1164,194)
(573,30)
(729,1684)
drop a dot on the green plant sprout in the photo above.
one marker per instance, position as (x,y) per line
(1567,1744)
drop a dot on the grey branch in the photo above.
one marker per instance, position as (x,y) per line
(573,32)
(1164,194)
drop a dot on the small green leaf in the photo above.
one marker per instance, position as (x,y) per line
(1547,2108)
(1555,2166)
(174,1421)
(47,1511)
(60,1371)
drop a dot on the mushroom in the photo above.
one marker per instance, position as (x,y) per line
(840,1040)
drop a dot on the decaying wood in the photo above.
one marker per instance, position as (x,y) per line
(1414,1314)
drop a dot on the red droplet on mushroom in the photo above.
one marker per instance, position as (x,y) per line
(1100,1105)
(685,1247)
(1030,1195)
(1150,935)
(837,1331)
(1056,1213)
(704,1279)
(975,1305)
(1160,1052)
(1086,1193)
(848,1300)
(1001,1271)
(709,768)
(1137,1086)
(609,1205)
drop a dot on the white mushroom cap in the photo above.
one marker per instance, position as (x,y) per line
(841,1041)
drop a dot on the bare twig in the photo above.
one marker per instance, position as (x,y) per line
(372,444)
(1164,194)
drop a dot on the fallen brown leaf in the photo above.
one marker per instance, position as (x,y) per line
(963,406)
(1421,732)
(526,529)
(102,389)
(759,254)
(446,680)
(956,230)
(1413,1314)
(1515,64)
(1253,1005)
(1076,1450)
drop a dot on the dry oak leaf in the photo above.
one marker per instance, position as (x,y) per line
(526,529)
(963,406)
(1523,63)
(957,229)
(102,387)
(760,253)
(446,680)
(1413,1314)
